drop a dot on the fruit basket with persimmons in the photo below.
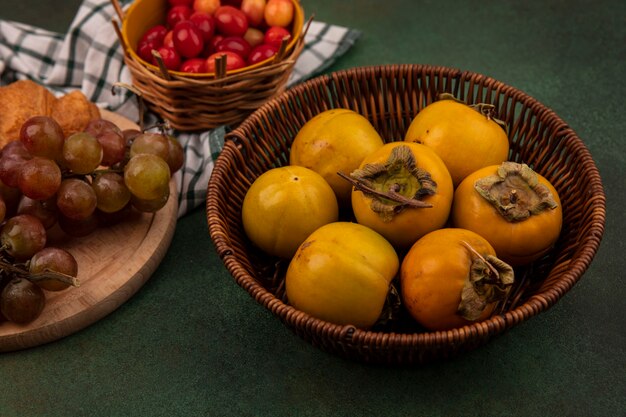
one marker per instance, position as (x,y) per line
(203,64)
(543,158)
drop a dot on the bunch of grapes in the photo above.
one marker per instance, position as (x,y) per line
(93,178)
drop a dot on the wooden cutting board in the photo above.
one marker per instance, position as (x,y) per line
(113,264)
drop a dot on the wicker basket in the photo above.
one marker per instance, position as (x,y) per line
(203,101)
(390,96)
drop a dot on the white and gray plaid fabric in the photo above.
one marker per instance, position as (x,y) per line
(89,58)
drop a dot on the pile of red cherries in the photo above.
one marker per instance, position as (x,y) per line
(196,32)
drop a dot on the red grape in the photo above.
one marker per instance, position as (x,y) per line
(111,192)
(14,155)
(22,236)
(21,301)
(153,143)
(176,154)
(57,260)
(111,139)
(45,210)
(76,199)
(39,178)
(42,136)
(78,227)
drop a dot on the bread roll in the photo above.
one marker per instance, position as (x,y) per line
(24,99)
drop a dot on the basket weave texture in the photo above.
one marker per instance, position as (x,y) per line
(390,96)
(192,103)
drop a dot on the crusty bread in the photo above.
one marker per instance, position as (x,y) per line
(73,111)
(24,99)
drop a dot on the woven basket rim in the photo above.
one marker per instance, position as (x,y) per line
(349,334)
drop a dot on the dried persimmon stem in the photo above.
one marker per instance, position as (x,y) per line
(482,258)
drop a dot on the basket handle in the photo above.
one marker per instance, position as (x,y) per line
(118,9)
(116,26)
(220,66)
(282,49)
(285,41)
(161,65)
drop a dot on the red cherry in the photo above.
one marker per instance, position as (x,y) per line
(180,2)
(178,14)
(155,34)
(205,23)
(233,61)
(231,21)
(188,39)
(254,37)
(168,40)
(254,11)
(194,65)
(170,57)
(144,50)
(210,47)
(275,35)
(261,53)
(234,44)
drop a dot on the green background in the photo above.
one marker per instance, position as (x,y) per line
(191,342)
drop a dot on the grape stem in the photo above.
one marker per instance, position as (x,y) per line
(39,276)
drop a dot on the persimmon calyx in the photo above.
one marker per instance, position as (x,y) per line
(394,185)
(489,281)
(515,192)
(486,109)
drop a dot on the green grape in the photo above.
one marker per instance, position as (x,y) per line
(82,153)
(149,206)
(39,178)
(76,199)
(43,136)
(111,193)
(147,176)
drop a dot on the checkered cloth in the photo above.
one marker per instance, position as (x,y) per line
(89,58)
